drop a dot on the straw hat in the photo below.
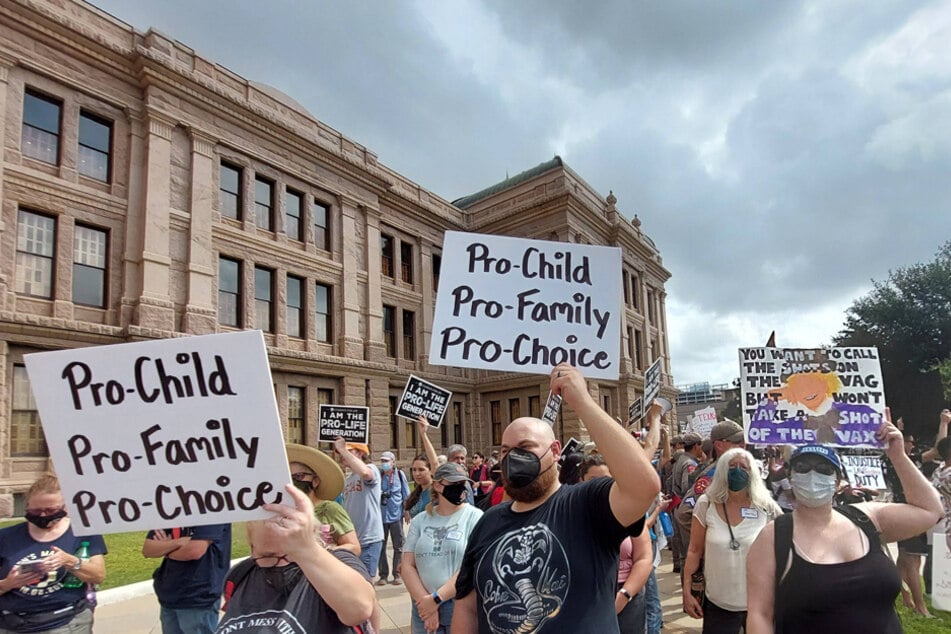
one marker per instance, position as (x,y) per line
(330,474)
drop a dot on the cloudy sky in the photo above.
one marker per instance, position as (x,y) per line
(781,154)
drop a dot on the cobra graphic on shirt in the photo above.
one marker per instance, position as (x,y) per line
(524,578)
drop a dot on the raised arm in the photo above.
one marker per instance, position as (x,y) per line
(635,481)
(943,422)
(423,426)
(356,465)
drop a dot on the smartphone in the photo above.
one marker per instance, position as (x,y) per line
(30,567)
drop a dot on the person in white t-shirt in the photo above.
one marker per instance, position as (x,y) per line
(726,520)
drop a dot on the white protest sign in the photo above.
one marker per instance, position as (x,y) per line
(703,421)
(350,422)
(177,432)
(941,573)
(801,396)
(423,398)
(864,471)
(514,304)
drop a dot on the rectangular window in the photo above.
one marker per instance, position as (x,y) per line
(535,406)
(635,292)
(323,305)
(409,428)
(444,430)
(230,198)
(229,292)
(437,265)
(36,241)
(293,209)
(406,262)
(651,307)
(409,335)
(606,402)
(515,409)
(41,127)
(638,350)
(325,396)
(627,294)
(457,434)
(386,255)
(95,146)
(630,343)
(394,423)
(495,417)
(263,303)
(26,433)
(89,266)
(264,203)
(296,421)
(389,330)
(322,226)
(295,307)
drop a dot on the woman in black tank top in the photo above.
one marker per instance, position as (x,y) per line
(818,570)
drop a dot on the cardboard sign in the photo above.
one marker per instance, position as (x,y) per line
(513,304)
(941,573)
(552,407)
(147,435)
(703,421)
(652,383)
(801,396)
(864,471)
(350,422)
(635,411)
(423,398)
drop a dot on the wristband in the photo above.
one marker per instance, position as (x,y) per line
(436,597)
(626,593)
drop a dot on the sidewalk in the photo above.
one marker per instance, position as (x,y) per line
(133,609)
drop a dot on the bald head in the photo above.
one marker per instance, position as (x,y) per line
(532,434)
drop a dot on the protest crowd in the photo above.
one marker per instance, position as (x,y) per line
(768,539)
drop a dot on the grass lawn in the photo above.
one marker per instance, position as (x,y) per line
(915,624)
(125,563)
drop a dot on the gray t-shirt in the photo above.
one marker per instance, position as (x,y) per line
(438,542)
(361,498)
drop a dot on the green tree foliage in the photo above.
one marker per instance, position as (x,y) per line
(908,318)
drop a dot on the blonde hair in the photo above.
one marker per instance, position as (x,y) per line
(46,483)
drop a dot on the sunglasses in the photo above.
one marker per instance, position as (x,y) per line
(820,466)
(50,510)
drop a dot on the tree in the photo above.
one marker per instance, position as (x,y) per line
(908,318)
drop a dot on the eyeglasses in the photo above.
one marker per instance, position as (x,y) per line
(821,466)
(269,561)
(50,510)
(303,477)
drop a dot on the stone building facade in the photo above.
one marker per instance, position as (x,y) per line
(146,192)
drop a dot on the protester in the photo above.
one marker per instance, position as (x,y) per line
(479,474)
(457,453)
(942,482)
(434,548)
(726,520)
(361,499)
(778,479)
(420,495)
(38,568)
(320,478)
(569,471)
(189,581)
(394,493)
(834,576)
(291,583)
(635,564)
(548,557)
(682,479)
(653,611)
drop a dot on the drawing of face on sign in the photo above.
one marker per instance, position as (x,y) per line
(810,390)
(529,580)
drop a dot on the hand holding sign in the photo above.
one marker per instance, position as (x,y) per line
(570,384)
(293,526)
(891,437)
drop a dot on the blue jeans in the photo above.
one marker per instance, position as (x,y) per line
(370,556)
(189,620)
(445,619)
(652,607)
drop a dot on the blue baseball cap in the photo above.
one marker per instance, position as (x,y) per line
(817,450)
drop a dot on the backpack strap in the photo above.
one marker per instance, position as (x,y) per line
(782,545)
(865,524)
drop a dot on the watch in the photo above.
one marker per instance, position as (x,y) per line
(78,564)
(626,593)
(436,597)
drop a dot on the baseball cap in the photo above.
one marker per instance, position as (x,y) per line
(817,450)
(451,472)
(707,445)
(692,438)
(677,440)
(360,447)
(727,430)
(387,456)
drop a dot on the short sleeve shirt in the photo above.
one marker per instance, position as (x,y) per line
(438,543)
(181,585)
(332,514)
(361,499)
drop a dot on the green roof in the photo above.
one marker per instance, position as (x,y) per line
(471,199)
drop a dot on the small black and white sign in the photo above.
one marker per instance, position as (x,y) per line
(350,422)
(424,398)
(635,411)
(652,382)
(552,407)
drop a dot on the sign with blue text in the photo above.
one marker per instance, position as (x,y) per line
(513,304)
(175,432)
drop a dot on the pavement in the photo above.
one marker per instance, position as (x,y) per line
(133,609)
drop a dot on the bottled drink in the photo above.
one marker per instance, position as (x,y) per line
(666,523)
(71,580)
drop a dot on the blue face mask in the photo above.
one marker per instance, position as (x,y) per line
(738,478)
(385,466)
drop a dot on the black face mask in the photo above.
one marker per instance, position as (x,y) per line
(455,494)
(521,467)
(44,521)
(303,485)
(282,578)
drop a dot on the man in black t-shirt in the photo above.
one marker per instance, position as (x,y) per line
(549,558)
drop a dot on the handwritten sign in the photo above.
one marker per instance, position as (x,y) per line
(941,573)
(794,396)
(864,471)
(350,422)
(173,432)
(527,305)
(423,398)
(703,421)
(552,407)
(652,382)
(635,411)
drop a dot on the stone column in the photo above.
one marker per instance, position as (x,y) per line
(7,296)
(349,338)
(375,350)
(63,268)
(429,300)
(201,270)
(155,309)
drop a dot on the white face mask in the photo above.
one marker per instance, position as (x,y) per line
(813,489)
